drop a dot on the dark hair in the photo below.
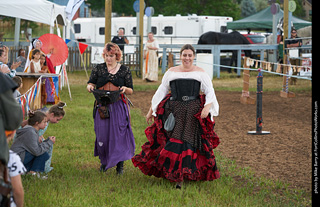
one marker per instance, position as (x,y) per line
(57,109)
(1,51)
(187,47)
(35,116)
(113,49)
(45,60)
(20,50)
(18,80)
(35,51)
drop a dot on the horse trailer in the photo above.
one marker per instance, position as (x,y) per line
(167,29)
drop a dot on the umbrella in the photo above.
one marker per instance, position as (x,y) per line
(55,44)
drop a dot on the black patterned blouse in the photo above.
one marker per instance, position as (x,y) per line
(100,76)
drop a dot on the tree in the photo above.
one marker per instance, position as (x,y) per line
(247,8)
(260,4)
(202,7)
(173,7)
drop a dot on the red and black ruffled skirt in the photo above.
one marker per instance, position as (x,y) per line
(178,155)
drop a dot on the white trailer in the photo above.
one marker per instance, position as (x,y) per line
(167,29)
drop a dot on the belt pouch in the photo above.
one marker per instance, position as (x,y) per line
(103,112)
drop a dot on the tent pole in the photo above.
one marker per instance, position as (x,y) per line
(84,65)
(77,43)
(64,71)
(17,32)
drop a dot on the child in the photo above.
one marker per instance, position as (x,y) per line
(43,63)
(53,115)
(35,66)
(18,81)
(16,169)
(33,153)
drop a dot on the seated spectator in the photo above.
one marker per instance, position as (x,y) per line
(21,58)
(43,64)
(35,66)
(4,68)
(27,145)
(18,81)
(37,44)
(35,63)
(16,169)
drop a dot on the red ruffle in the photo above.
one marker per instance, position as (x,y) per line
(182,162)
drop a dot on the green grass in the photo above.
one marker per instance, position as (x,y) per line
(76,180)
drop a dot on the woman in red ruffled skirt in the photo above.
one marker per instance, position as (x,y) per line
(181,148)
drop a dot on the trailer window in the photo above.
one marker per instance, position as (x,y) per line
(224,29)
(168,30)
(101,31)
(77,28)
(154,30)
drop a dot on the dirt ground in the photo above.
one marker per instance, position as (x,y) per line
(285,154)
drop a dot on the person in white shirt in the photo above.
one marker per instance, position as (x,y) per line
(16,169)
(35,66)
(183,150)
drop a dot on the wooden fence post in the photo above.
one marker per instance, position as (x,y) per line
(285,93)
(245,96)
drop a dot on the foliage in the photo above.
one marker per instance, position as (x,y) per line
(173,7)
(299,12)
(260,4)
(247,8)
(199,7)
(202,7)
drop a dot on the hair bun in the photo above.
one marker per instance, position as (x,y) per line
(30,113)
(61,105)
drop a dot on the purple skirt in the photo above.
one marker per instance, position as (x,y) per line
(114,137)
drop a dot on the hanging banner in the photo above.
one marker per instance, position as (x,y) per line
(82,47)
(96,55)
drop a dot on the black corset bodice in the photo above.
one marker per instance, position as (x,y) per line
(181,88)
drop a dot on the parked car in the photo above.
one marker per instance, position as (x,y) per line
(255,38)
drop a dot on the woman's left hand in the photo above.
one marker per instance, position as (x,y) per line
(205,111)
(123,88)
(126,90)
(15,65)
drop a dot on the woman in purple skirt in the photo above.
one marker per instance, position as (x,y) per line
(114,138)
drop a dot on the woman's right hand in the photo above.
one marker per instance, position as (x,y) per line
(90,88)
(149,117)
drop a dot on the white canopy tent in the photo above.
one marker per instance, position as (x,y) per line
(41,11)
(33,10)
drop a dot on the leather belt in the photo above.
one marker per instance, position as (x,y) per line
(184,98)
(109,87)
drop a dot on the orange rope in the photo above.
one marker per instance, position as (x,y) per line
(147,60)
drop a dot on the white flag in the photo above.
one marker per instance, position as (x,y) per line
(72,8)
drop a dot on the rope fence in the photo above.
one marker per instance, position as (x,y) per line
(264,70)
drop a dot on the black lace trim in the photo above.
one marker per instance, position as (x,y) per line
(100,76)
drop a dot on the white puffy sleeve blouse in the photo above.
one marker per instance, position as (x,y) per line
(206,87)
